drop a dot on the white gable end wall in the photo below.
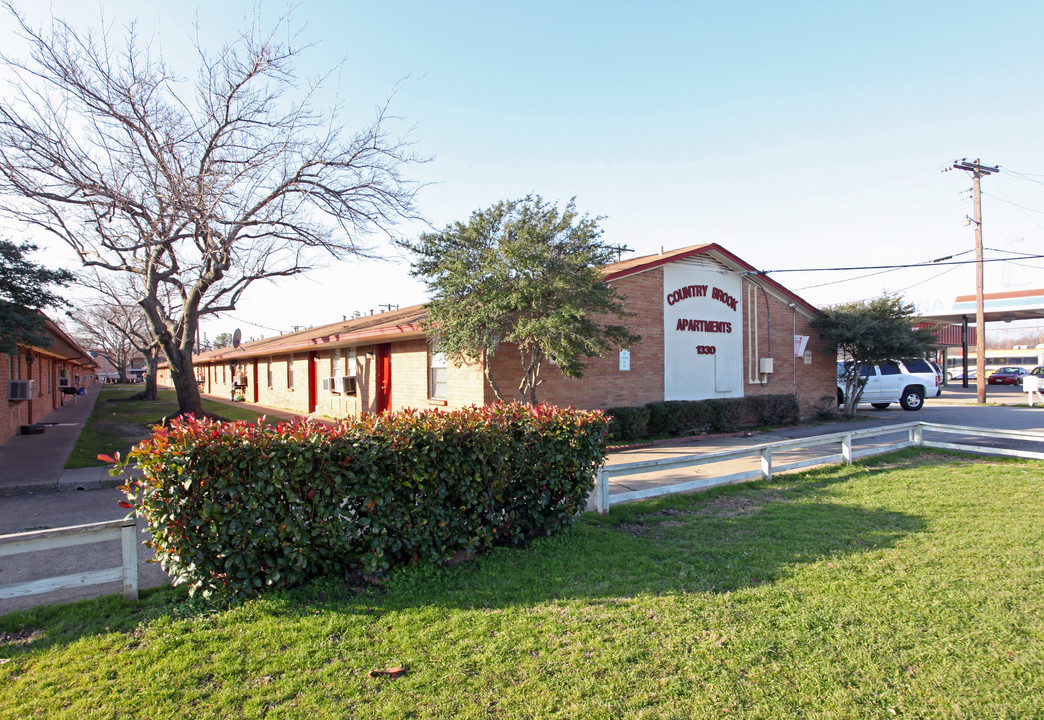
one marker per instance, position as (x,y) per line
(703,331)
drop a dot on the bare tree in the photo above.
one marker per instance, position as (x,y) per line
(198,189)
(115,319)
(102,326)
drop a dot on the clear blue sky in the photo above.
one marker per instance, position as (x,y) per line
(796,135)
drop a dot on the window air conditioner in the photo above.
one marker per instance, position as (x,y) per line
(347,385)
(64,382)
(328,384)
(19,389)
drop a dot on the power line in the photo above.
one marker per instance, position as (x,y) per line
(883,272)
(247,322)
(922,282)
(1011,202)
(939,263)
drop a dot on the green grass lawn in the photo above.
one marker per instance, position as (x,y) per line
(910,585)
(116,424)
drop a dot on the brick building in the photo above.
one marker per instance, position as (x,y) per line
(35,377)
(710,327)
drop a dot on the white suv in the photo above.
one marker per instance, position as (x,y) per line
(891,382)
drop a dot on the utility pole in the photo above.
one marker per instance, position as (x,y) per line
(977,172)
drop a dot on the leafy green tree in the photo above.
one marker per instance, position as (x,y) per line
(25,289)
(222,340)
(869,332)
(522,272)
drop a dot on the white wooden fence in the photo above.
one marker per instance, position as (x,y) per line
(124,530)
(915,437)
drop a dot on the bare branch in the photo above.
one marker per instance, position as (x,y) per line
(196,189)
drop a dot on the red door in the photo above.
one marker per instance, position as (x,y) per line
(313,381)
(256,395)
(384,378)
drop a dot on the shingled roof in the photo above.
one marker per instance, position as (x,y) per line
(381,327)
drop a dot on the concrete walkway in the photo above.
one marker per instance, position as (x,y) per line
(36,463)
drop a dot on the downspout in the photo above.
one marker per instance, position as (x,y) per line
(29,358)
(768,328)
(793,310)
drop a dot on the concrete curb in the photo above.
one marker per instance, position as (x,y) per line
(93,478)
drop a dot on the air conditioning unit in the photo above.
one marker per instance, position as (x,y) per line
(64,382)
(328,384)
(19,389)
(346,385)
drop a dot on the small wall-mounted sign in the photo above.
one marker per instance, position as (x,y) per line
(808,357)
(625,361)
(800,344)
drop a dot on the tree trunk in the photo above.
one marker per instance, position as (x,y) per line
(487,370)
(151,362)
(527,388)
(184,379)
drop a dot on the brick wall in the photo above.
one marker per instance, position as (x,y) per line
(765,328)
(44,373)
(409,361)
(776,325)
(768,330)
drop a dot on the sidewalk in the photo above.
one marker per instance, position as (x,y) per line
(36,463)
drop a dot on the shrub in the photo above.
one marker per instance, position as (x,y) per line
(671,417)
(724,415)
(235,507)
(773,409)
(628,423)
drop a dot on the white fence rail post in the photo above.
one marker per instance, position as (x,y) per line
(129,542)
(917,435)
(846,449)
(124,530)
(766,463)
(602,492)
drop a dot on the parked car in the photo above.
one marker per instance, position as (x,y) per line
(1011,375)
(939,374)
(926,370)
(891,382)
(958,374)
(1036,372)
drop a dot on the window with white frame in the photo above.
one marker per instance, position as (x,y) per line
(335,364)
(437,380)
(290,372)
(268,368)
(350,362)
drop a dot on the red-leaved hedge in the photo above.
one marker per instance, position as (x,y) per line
(237,507)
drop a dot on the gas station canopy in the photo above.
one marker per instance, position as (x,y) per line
(998,307)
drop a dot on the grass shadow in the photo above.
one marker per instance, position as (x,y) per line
(720,541)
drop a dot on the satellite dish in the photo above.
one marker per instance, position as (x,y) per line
(237,338)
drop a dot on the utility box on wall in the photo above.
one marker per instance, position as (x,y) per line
(765,366)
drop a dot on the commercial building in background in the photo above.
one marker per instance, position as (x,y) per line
(39,379)
(711,327)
